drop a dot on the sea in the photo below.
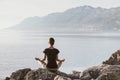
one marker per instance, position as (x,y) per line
(18,49)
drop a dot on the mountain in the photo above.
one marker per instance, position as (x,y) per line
(79,19)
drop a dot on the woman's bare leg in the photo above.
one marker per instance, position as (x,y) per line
(60,63)
(42,62)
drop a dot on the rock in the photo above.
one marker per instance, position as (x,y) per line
(58,77)
(75,75)
(90,73)
(102,72)
(7,78)
(38,74)
(107,76)
(19,74)
(110,72)
(114,59)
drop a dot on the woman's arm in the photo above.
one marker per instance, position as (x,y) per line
(41,60)
(44,57)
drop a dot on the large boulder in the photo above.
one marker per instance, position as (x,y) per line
(19,74)
(38,74)
(110,72)
(90,73)
(114,59)
(101,72)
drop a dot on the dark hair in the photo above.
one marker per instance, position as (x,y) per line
(51,41)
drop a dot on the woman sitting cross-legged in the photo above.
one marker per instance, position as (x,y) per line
(51,53)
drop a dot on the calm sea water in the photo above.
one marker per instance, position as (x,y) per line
(18,49)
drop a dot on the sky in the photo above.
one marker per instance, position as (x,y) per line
(13,12)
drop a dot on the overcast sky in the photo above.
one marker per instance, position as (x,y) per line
(14,11)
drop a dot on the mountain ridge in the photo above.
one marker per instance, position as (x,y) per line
(79,19)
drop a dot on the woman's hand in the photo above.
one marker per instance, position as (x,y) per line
(62,60)
(37,59)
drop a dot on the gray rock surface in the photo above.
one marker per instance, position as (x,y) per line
(114,59)
(38,74)
(101,72)
(109,70)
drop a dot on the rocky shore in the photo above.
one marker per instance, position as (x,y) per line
(108,70)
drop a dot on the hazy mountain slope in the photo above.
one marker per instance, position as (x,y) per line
(80,19)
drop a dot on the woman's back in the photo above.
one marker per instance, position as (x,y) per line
(51,57)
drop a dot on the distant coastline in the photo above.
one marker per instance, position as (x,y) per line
(79,19)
